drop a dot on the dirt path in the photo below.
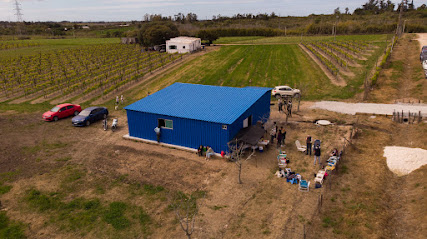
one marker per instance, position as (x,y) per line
(422,38)
(402,79)
(334,80)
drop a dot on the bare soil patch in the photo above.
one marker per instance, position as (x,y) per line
(422,38)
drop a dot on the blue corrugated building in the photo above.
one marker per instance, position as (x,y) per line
(190,115)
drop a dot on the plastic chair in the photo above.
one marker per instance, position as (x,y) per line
(301,148)
(282,163)
(304,186)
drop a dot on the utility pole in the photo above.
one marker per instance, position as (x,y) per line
(18,15)
(399,21)
(18,11)
(335,27)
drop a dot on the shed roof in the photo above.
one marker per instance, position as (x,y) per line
(218,104)
(183,39)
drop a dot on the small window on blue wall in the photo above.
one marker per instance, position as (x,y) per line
(224,126)
(164,123)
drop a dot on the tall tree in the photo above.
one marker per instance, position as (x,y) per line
(209,35)
(156,33)
(237,151)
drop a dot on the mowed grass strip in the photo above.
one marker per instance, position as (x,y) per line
(264,66)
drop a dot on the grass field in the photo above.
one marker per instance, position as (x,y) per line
(297,39)
(265,66)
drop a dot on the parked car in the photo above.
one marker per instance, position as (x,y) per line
(423,55)
(61,111)
(90,115)
(284,90)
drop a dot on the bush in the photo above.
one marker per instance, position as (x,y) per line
(229,32)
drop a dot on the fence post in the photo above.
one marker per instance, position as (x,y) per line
(409,117)
(304,232)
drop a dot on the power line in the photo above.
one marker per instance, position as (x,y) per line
(18,12)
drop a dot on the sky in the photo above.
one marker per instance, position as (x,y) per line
(127,10)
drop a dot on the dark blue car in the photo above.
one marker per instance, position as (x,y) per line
(90,115)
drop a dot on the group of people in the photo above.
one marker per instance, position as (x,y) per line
(288,105)
(280,134)
(118,100)
(316,149)
(207,150)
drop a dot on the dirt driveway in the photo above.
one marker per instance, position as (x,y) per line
(422,38)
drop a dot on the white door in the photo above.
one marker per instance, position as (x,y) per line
(246,122)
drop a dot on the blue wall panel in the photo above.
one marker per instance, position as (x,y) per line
(259,110)
(186,132)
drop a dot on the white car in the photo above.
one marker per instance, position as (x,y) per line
(284,90)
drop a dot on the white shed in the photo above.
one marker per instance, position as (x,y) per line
(183,44)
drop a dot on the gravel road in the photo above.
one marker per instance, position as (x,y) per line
(369,108)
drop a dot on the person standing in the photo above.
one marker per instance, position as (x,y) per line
(157,130)
(117,100)
(309,145)
(279,138)
(316,154)
(122,99)
(272,134)
(283,136)
(280,104)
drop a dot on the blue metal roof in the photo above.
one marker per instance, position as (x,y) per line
(218,104)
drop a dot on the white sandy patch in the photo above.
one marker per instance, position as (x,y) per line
(369,108)
(402,160)
(422,38)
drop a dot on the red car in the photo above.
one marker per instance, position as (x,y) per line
(61,111)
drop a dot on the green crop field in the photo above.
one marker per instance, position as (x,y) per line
(265,66)
(297,39)
(268,66)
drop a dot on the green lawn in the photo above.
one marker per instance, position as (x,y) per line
(265,66)
(297,39)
